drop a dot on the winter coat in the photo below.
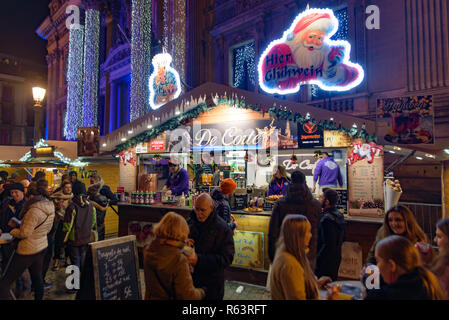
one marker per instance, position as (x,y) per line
(99,201)
(214,246)
(10,209)
(407,287)
(79,220)
(331,234)
(287,278)
(62,202)
(443,278)
(222,207)
(106,191)
(36,224)
(278,187)
(178,182)
(299,200)
(167,274)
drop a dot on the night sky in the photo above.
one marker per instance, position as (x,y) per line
(19,20)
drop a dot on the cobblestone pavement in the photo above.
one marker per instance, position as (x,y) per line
(233,290)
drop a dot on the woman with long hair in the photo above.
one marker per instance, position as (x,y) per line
(291,276)
(399,220)
(400,266)
(32,233)
(441,264)
(279,182)
(167,270)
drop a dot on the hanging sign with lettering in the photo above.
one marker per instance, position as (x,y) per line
(305,55)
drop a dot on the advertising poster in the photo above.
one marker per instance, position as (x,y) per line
(88,141)
(406,120)
(310,135)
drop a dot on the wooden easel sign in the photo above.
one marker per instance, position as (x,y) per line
(116,269)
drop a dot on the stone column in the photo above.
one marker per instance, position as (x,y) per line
(113,106)
(445,189)
(91,67)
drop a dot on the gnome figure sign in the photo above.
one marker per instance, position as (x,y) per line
(306,55)
(165,84)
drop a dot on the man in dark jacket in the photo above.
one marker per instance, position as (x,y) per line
(78,187)
(331,234)
(221,201)
(299,200)
(214,248)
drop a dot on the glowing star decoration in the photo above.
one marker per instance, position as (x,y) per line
(165,84)
(305,55)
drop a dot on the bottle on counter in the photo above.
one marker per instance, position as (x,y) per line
(147,198)
(141,197)
(182,200)
(190,200)
(151,198)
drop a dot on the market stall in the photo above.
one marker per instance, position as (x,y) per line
(247,135)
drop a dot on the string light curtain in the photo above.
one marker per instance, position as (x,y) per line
(166,35)
(244,66)
(179,38)
(91,62)
(73,118)
(140,58)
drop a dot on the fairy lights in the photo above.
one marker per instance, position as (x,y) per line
(244,55)
(73,118)
(140,57)
(91,61)
(165,8)
(179,38)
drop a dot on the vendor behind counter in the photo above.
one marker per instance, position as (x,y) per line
(178,179)
(279,182)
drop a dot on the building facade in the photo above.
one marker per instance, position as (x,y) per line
(17,77)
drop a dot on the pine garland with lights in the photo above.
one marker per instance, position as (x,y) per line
(91,65)
(140,58)
(74,116)
(276,113)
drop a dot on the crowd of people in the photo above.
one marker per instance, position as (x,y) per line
(188,258)
(45,224)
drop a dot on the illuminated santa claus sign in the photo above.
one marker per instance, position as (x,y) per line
(306,55)
(165,84)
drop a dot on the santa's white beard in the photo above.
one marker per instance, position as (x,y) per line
(305,58)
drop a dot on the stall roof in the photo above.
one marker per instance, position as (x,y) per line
(207,93)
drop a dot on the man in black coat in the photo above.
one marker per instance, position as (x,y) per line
(214,248)
(331,234)
(78,187)
(298,200)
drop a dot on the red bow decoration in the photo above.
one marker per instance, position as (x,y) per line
(293,158)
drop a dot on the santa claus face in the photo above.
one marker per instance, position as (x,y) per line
(308,48)
(313,39)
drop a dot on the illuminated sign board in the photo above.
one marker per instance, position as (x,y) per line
(306,55)
(165,84)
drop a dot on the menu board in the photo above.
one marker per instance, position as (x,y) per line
(248,249)
(365,184)
(240,202)
(342,204)
(111,271)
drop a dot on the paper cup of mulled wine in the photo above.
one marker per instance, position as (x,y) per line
(391,197)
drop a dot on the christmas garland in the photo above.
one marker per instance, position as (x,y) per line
(276,113)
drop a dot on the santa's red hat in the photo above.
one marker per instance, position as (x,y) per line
(315,21)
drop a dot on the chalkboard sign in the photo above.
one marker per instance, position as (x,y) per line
(111,271)
(240,202)
(343,199)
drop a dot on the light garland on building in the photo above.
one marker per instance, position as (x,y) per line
(179,37)
(165,13)
(245,54)
(140,58)
(73,118)
(91,64)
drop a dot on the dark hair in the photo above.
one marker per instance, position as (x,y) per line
(64,183)
(73,173)
(298,177)
(3,174)
(413,231)
(332,196)
(39,175)
(326,153)
(39,188)
(442,260)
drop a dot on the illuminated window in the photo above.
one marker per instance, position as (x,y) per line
(244,66)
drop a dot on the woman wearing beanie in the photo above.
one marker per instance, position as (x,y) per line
(221,198)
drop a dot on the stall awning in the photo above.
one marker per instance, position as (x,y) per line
(207,95)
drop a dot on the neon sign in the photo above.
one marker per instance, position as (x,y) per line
(165,84)
(305,55)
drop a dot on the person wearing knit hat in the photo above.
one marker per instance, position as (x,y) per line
(221,197)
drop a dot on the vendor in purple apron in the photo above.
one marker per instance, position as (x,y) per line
(178,179)
(279,182)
